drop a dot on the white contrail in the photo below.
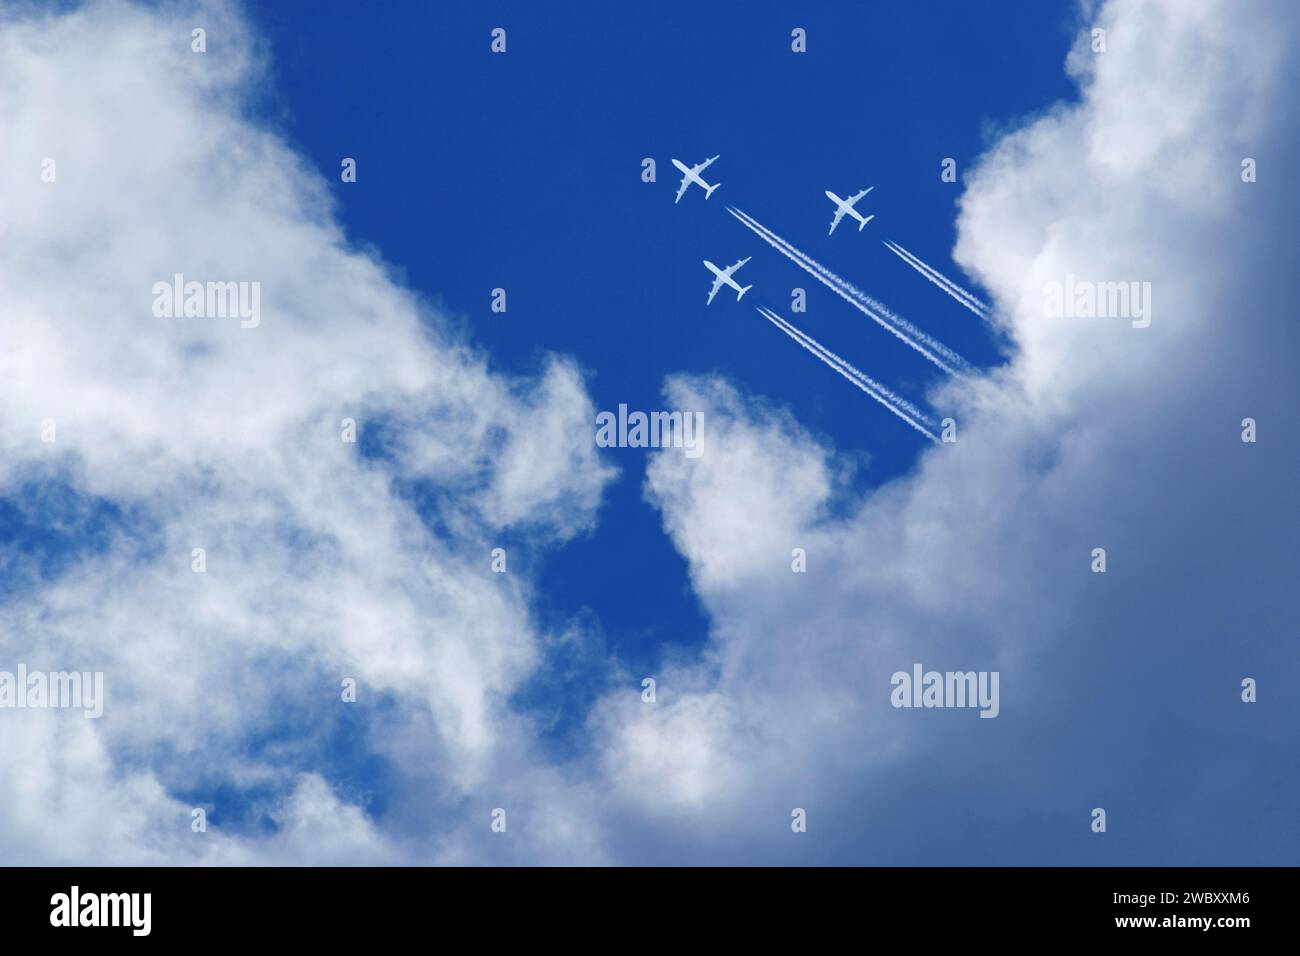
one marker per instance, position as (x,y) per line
(931,348)
(903,409)
(900,407)
(942,281)
(939,279)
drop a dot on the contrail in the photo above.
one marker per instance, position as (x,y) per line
(903,409)
(941,280)
(931,348)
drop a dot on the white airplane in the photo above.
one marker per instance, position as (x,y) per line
(723,277)
(846,206)
(692,175)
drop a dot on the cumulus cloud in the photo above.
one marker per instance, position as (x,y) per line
(223,686)
(1094,433)
(171,434)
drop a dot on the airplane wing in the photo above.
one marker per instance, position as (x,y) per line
(854,198)
(717,284)
(705,165)
(681,190)
(726,273)
(839,214)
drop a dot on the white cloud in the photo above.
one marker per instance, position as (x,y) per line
(210,435)
(1093,433)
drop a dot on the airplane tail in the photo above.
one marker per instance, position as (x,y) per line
(742,292)
(865,221)
(709,190)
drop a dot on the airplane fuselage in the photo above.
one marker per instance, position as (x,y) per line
(845,207)
(722,277)
(691,174)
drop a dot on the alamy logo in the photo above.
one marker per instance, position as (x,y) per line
(61,689)
(103,909)
(1085,299)
(683,430)
(179,299)
(948,689)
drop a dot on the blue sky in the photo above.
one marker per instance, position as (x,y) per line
(523,690)
(542,149)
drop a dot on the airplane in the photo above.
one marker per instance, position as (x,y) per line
(723,277)
(692,175)
(846,206)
